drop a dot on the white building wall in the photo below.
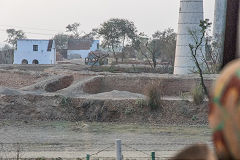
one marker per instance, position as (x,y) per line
(75,53)
(25,51)
(83,53)
(219,24)
(219,17)
(190,14)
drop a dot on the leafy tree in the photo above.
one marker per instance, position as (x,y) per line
(14,35)
(117,33)
(6,47)
(91,35)
(148,47)
(61,40)
(167,44)
(74,30)
(129,52)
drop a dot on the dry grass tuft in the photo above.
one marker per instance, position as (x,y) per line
(198,95)
(154,93)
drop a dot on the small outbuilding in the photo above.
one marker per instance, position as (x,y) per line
(80,48)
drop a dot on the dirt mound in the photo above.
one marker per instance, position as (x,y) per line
(51,84)
(19,79)
(115,94)
(59,84)
(38,107)
(8,91)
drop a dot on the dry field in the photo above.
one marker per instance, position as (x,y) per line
(68,111)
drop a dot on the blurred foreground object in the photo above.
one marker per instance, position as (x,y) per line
(224,112)
(224,118)
(195,152)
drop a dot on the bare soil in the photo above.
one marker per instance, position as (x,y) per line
(86,111)
(69,92)
(18,80)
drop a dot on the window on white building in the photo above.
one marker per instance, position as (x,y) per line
(35,47)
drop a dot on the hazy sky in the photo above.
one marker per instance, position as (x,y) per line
(51,16)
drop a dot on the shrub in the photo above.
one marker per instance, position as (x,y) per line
(141,103)
(154,93)
(66,101)
(194,118)
(198,95)
(129,111)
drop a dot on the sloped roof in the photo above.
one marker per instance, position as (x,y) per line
(79,44)
(50,44)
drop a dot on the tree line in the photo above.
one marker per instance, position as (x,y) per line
(120,37)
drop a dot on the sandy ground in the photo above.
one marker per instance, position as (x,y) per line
(75,140)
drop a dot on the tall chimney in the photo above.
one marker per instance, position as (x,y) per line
(190,14)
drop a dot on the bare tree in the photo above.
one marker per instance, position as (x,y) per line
(205,59)
(148,48)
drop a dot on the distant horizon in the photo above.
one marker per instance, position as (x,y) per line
(51,17)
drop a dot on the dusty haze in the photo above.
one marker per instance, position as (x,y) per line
(49,17)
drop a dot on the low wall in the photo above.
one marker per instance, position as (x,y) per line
(170,85)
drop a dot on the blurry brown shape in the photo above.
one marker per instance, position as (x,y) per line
(224,114)
(195,152)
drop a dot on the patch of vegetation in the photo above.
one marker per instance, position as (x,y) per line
(194,118)
(112,69)
(141,103)
(129,110)
(184,111)
(198,95)
(154,93)
(65,101)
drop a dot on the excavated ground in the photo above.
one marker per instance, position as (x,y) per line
(54,111)
(70,92)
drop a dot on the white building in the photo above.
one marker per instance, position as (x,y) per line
(190,14)
(31,51)
(80,48)
(219,25)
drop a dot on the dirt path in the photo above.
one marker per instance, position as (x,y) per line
(74,140)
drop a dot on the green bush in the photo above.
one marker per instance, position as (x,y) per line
(198,95)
